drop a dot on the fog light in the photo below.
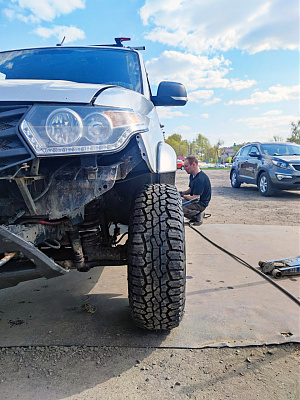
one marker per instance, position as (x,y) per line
(281,176)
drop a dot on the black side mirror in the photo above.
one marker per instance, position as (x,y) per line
(254,154)
(170,94)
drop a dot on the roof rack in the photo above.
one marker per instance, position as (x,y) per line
(119,43)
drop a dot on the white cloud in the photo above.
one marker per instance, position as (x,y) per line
(183,128)
(200,94)
(168,113)
(272,112)
(194,71)
(11,14)
(202,26)
(36,10)
(213,101)
(274,94)
(269,125)
(71,33)
(204,116)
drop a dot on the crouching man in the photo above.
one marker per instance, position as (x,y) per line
(199,187)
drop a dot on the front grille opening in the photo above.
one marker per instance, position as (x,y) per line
(13,149)
(4,126)
(9,143)
(6,163)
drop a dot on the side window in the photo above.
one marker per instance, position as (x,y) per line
(254,149)
(244,151)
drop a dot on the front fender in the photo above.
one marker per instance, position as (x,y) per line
(166,158)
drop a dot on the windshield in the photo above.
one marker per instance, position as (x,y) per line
(85,65)
(282,149)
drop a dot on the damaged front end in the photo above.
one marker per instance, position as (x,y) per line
(61,203)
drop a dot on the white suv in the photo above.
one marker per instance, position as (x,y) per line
(82,151)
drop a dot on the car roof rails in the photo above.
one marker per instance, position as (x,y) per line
(119,43)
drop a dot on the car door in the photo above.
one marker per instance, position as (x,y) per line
(241,163)
(252,163)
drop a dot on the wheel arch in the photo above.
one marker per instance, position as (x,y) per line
(261,171)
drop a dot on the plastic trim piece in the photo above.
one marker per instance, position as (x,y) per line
(166,158)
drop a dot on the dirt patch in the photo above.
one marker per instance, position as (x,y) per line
(124,373)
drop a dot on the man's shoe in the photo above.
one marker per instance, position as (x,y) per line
(198,219)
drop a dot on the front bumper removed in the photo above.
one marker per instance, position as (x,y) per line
(22,261)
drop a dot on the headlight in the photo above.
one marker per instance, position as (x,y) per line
(281,164)
(79,129)
(98,127)
(64,126)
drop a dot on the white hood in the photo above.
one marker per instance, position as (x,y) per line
(72,92)
(50,91)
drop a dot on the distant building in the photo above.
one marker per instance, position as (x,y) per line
(227,153)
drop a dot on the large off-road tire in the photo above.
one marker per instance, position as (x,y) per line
(156,259)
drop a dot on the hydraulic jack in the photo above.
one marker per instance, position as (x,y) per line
(279,268)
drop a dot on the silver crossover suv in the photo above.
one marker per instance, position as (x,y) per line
(270,166)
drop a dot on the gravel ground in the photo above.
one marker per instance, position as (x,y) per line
(265,372)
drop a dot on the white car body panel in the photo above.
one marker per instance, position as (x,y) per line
(47,91)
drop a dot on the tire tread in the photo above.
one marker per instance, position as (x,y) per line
(156,259)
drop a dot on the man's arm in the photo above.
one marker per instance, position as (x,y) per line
(188,191)
(188,197)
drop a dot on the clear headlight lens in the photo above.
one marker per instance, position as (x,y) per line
(98,127)
(281,164)
(64,126)
(80,129)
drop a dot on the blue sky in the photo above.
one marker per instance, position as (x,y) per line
(238,60)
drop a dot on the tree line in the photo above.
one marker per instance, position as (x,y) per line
(200,147)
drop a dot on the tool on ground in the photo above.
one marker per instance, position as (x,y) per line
(279,268)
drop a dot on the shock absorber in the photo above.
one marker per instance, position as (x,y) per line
(75,242)
(89,229)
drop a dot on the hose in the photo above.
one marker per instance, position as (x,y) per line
(243,262)
(119,240)
(54,245)
(51,179)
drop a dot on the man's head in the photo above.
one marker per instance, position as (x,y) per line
(191,165)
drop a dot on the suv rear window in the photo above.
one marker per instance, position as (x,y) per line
(84,65)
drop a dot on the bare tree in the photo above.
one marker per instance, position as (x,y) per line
(295,133)
(277,138)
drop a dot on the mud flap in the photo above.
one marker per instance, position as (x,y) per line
(33,264)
